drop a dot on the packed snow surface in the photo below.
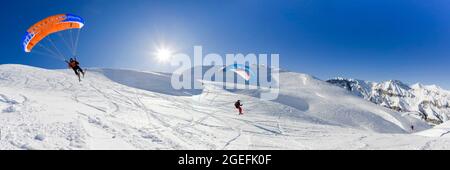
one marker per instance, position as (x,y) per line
(125,109)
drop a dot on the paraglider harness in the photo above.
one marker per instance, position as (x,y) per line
(237,104)
(75,65)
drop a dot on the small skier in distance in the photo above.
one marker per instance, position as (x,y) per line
(412,127)
(238,106)
(75,65)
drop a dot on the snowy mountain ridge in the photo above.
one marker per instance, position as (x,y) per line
(429,102)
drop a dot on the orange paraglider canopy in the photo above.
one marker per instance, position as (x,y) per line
(50,25)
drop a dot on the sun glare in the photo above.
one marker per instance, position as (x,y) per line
(163,54)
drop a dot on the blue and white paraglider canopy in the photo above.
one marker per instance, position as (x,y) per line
(242,70)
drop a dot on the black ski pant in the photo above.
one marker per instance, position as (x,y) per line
(76,69)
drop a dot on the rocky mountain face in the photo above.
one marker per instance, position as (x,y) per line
(430,103)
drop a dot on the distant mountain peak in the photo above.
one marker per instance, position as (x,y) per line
(430,101)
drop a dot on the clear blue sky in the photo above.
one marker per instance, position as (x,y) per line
(374,40)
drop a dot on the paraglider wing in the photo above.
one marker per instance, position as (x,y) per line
(50,25)
(243,74)
(244,71)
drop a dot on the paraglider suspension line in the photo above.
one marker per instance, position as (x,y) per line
(66,42)
(50,53)
(76,42)
(54,46)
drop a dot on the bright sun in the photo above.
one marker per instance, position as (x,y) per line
(163,54)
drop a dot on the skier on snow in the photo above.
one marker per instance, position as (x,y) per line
(75,65)
(238,106)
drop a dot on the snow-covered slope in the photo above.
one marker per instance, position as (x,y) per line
(442,130)
(430,103)
(123,109)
